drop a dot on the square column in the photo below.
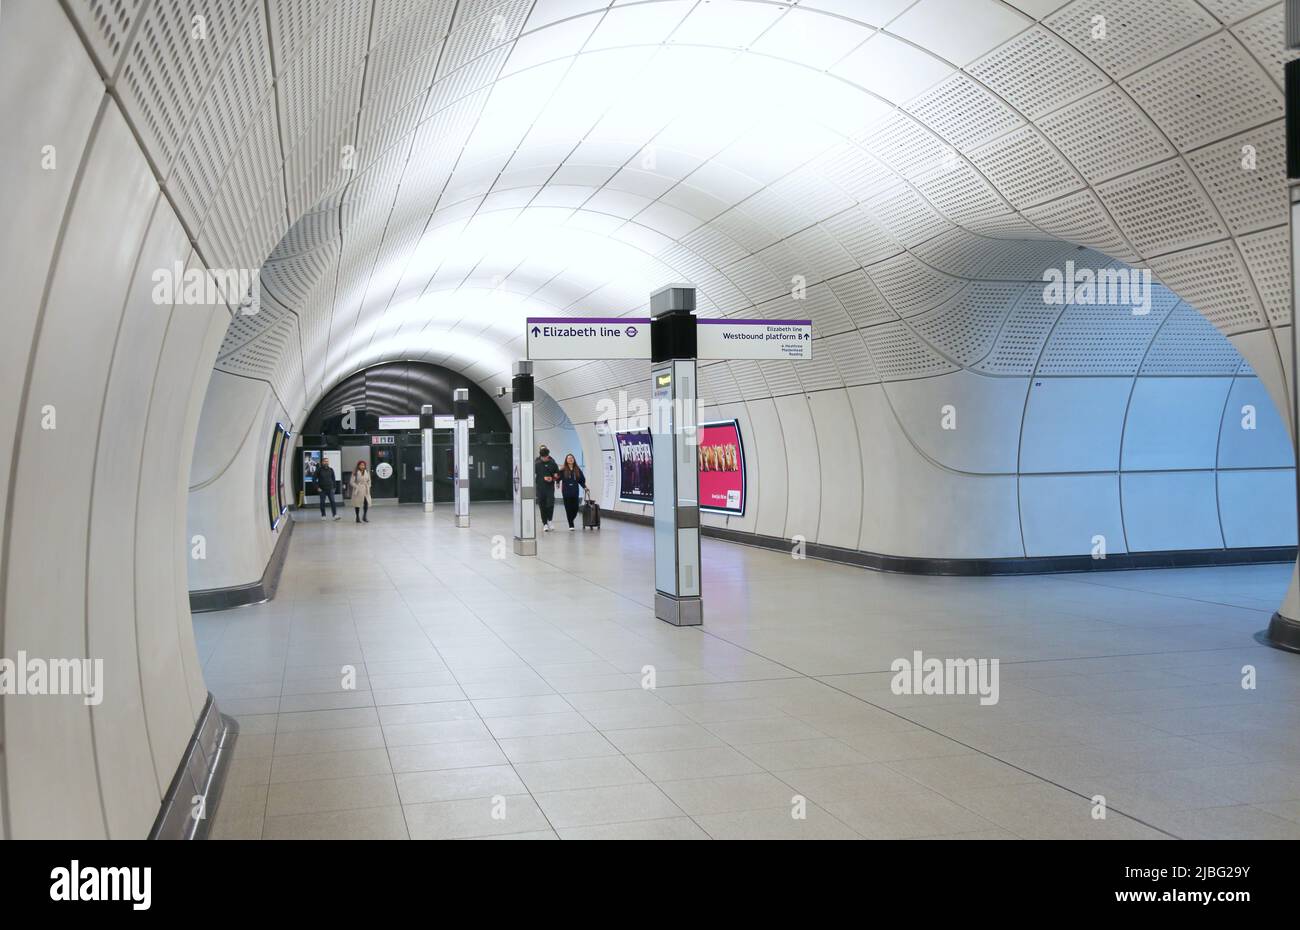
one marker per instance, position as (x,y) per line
(674,438)
(521,443)
(460,409)
(426,456)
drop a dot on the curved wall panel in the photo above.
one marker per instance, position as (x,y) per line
(1253,434)
(1064,514)
(840,473)
(232,451)
(1174,510)
(1255,507)
(1174,423)
(1074,424)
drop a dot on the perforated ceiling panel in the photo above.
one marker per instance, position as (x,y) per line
(431,178)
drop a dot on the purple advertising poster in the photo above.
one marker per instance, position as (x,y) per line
(637,484)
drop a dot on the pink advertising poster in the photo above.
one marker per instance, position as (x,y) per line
(722,468)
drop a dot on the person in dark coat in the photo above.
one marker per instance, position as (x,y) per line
(572,483)
(544,471)
(325,488)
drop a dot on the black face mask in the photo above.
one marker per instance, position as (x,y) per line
(545,453)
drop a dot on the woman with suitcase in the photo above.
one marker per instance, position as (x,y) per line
(572,482)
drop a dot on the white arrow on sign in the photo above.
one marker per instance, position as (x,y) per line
(582,338)
(753,339)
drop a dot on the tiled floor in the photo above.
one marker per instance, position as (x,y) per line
(497,696)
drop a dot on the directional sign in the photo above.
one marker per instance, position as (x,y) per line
(581,338)
(756,339)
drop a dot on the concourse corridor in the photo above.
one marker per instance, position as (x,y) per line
(504,697)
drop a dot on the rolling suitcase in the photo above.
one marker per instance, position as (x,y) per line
(590,515)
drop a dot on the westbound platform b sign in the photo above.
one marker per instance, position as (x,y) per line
(598,338)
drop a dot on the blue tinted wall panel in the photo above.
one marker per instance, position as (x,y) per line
(1175,510)
(1074,424)
(1174,423)
(1063,514)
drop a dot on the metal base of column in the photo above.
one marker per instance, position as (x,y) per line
(1282,633)
(462,521)
(525,546)
(679,611)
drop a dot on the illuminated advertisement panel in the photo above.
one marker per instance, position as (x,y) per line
(274,492)
(721,457)
(636,464)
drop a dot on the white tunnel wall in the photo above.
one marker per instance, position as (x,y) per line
(93,553)
(1047,466)
(231,454)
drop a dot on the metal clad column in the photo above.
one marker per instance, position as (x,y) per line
(460,409)
(521,418)
(674,443)
(426,456)
(1284,627)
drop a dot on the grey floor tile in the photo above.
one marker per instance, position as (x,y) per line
(596,772)
(476,817)
(453,784)
(376,823)
(331,794)
(582,807)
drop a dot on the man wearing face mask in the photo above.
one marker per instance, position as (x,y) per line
(544,471)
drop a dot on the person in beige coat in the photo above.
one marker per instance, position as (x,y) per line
(360,488)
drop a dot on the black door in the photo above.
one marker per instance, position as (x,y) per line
(491,476)
(410,471)
(444,472)
(383,471)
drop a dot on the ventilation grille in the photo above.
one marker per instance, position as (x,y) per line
(1136,32)
(963,113)
(959,253)
(1188,345)
(851,358)
(960,193)
(819,372)
(108,25)
(1265,37)
(855,172)
(1037,72)
(1246,178)
(1100,341)
(910,286)
(861,299)
(861,236)
(906,216)
(1212,90)
(1162,208)
(1213,280)
(1105,135)
(898,354)
(1080,218)
(965,329)
(1025,168)
(1268,257)
(1020,342)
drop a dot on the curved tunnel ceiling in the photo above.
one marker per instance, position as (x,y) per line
(435,171)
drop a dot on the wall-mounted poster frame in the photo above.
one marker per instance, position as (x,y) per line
(275,476)
(285,444)
(721,456)
(636,466)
